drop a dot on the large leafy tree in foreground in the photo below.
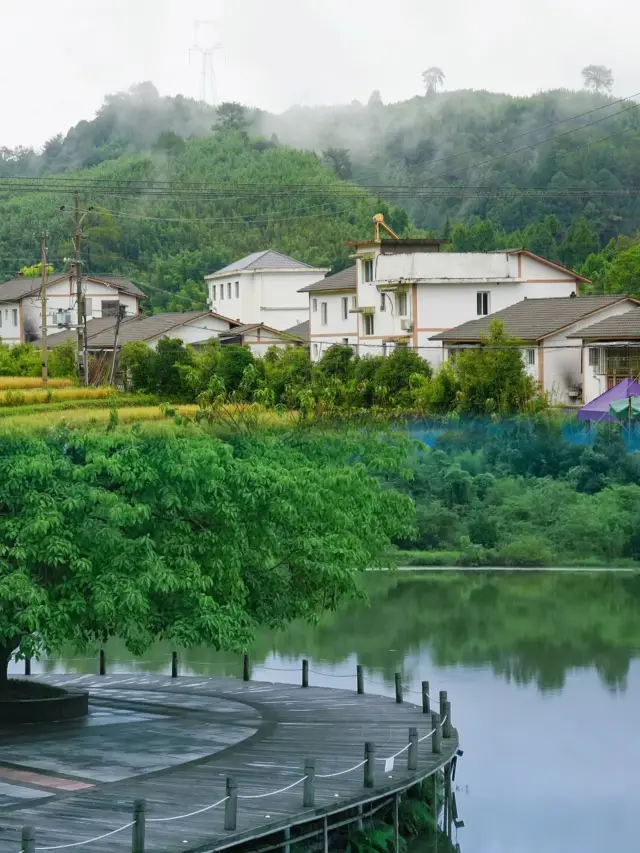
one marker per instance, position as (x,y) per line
(185,537)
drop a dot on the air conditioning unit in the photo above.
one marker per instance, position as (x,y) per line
(406,325)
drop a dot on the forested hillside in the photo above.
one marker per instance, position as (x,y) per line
(468,143)
(167,240)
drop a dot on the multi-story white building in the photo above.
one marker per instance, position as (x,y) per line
(21,306)
(405,291)
(263,287)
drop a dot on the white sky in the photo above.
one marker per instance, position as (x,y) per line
(58,58)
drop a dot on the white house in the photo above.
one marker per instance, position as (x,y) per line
(610,350)
(258,338)
(552,331)
(403,291)
(21,306)
(332,317)
(263,288)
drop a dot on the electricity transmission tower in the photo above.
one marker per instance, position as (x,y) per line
(206,53)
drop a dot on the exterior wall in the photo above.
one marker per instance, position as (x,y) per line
(259,344)
(337,330)
(593,384)
(11,332)
(61,297)
(269,297)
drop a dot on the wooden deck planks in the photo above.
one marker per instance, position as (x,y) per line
(294,723)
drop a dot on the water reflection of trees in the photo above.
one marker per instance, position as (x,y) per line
(529,627)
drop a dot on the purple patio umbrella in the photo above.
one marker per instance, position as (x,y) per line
(598,409)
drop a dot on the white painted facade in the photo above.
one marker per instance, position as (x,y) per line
(194,331)
(61,306)
(415,293)
(331,320)
(267,296)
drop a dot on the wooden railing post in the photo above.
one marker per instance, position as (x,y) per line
(412,758)
(102,669)
(309,790)
(359,679)
(137,830)
(426,706)
(28,839)
(447,728)
(399,688)
(174,664)
(245,668)
(443,699)
(305,673)
(369,764)
(231,805)
(436,737)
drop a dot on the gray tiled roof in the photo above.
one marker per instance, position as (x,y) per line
(300,331)
(531,319)
(249,327)
(18,288)
(343,280)
(101,331)
(268,259)
(13,291)
(622,327)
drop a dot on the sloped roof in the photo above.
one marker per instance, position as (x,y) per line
(18,288)
(101,331)
(250,327)
(268,259)
(623,327)
(300,331)
(532,319)
(343,280)
(546,261)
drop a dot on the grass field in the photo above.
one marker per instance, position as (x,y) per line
(88,416)
(18,382)
(14,397)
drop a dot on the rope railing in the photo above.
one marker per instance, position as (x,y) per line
(441,729)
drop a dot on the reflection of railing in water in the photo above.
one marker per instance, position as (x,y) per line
(302,827)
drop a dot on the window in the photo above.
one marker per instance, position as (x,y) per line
(367,270)
(0,319)
(383,302)
(368,324)
(229,290)
(314,304)
(594,358)
(323,313)
(401,304)
(237,290)
(15,316)
(222,291)
(482,303)
(354,301)
(345,307)
(531,356)
(213,293)
(110,307)
(345,342)
(88,306)
(315,350)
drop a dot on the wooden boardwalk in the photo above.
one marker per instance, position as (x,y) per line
(256,732)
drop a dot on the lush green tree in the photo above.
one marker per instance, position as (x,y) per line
(35,271)
(170,355)
(336,361)
(136,362)
(61,361)
(579,242)
(493,377)
(622,275)
(231,117)
(184,537)
(232,363)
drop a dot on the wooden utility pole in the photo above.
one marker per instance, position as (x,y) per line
(43,299)
(78,276)
(121,312)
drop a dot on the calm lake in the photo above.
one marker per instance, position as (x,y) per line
(543,673)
